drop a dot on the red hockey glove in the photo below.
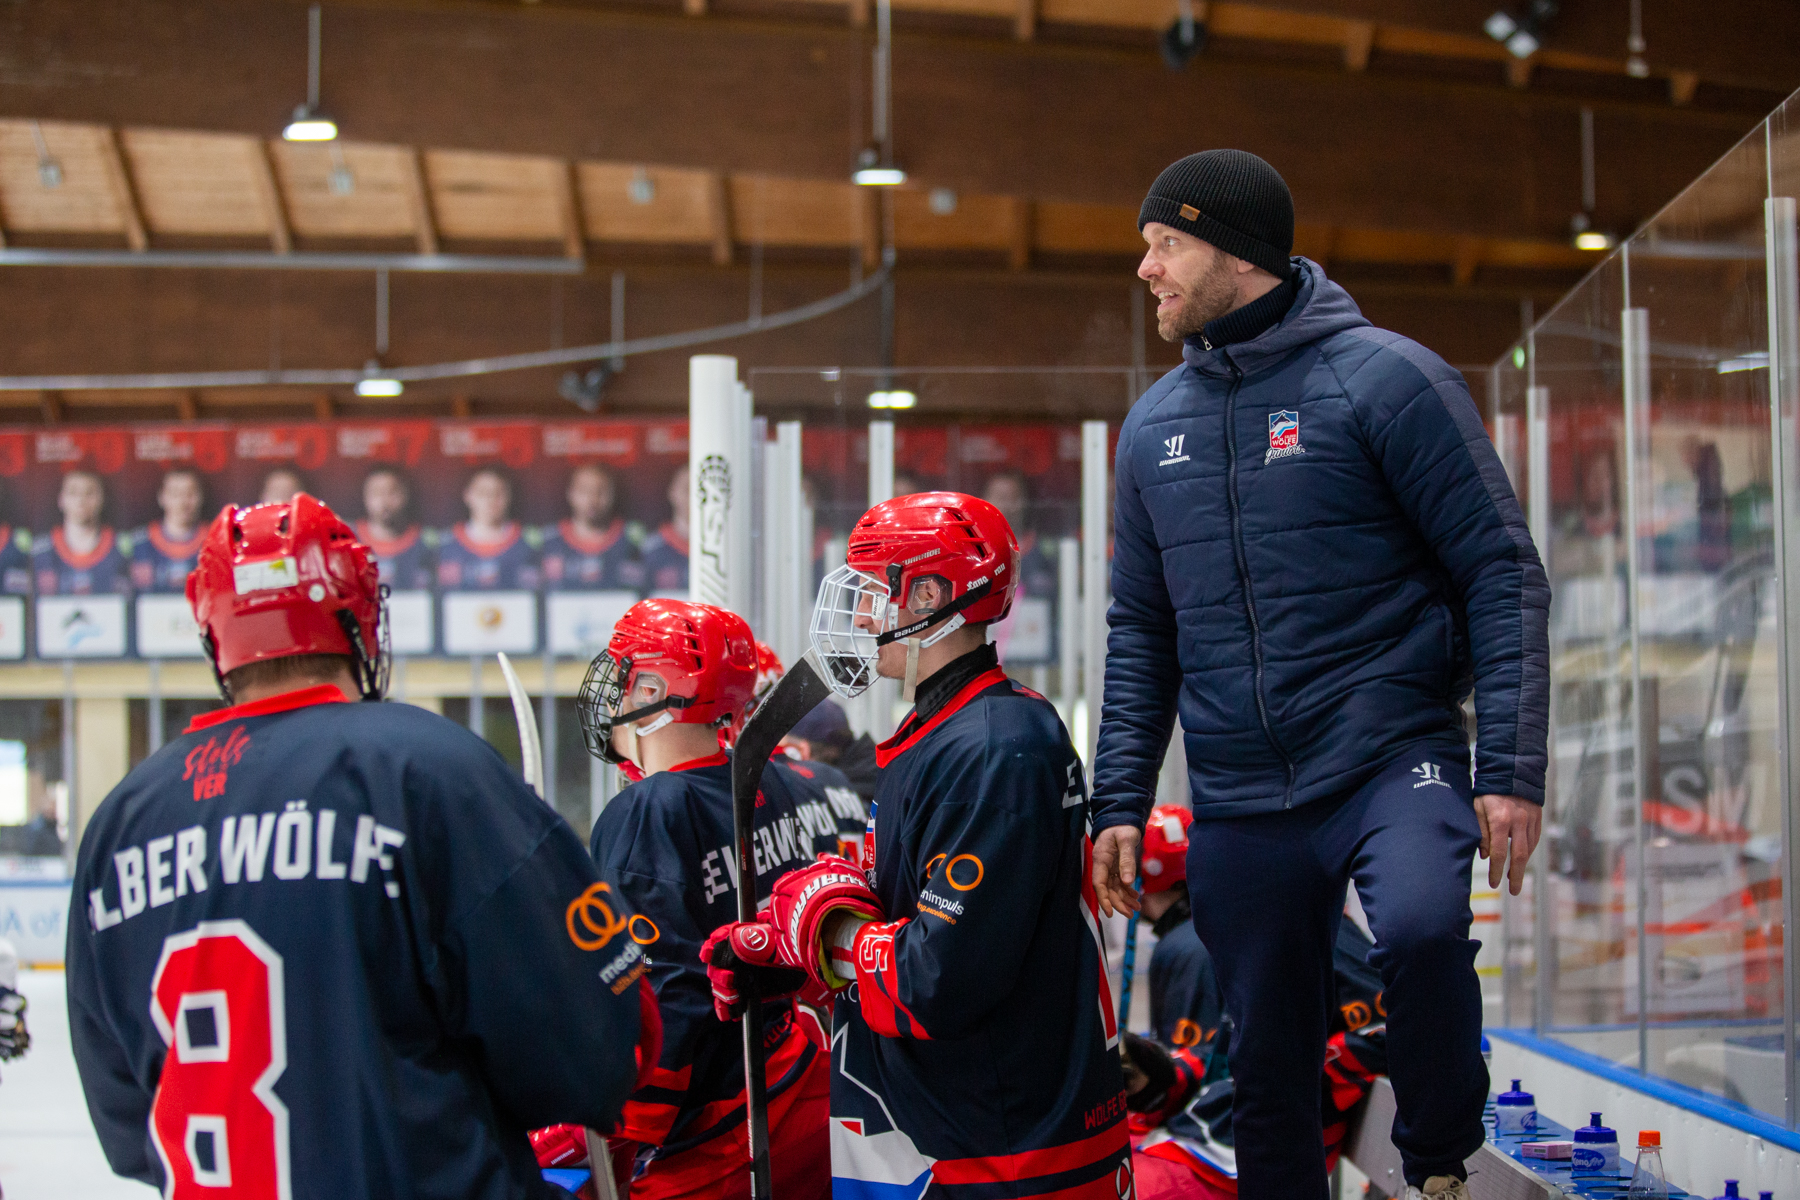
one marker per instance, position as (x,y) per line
(562,1146)
(746,954)
(801,900)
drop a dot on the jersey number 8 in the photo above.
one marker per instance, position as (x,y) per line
(217,999)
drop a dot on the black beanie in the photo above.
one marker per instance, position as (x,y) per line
(1231,199)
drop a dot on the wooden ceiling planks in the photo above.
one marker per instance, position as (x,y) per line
(197,184)
(370,198)
(645,205)
(795,212)
(81,201)
(1088,229)
(495,197)
(973,223)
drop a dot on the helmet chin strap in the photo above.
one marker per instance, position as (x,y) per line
(910,685)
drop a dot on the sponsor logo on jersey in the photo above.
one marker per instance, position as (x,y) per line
(1430,775)
(1187,1033)
(643,930)
(1172,448)
(208,765)
(591,921)
(1284,436)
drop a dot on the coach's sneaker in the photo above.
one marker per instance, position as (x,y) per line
(1439,1187)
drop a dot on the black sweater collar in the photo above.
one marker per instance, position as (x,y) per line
(950,679)
(1242,324)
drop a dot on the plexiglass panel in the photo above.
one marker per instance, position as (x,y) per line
(1658,929)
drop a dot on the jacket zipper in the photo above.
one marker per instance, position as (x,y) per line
(1243,566)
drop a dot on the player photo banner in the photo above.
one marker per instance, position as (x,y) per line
(100,525)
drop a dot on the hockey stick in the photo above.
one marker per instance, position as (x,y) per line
(531,751)
(531,765)
(798,693)
(1127,969)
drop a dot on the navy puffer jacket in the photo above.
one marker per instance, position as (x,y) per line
(1316,553)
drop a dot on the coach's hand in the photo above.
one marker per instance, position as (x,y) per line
(1115,868)
(1509,833)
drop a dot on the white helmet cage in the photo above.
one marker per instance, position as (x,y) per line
(848,650)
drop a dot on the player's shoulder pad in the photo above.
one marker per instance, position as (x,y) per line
(812,774)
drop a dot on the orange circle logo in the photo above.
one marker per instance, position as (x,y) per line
(595,915)
(1187,1033)
(637,935)
(950,872)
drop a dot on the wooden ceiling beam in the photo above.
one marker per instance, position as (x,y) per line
(418,201)
(718,212)
(118,181)
(1359,42)
(568,207)
(970,114)
(268,193)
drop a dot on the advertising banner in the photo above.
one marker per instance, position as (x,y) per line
(522,535)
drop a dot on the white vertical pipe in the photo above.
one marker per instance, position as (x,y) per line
(1537,518)
(789,567)
(153,706)
(1068,624)
(881,696)
(1783,267)
(1635,337)
(881,462)
(719,490)
(1095,494)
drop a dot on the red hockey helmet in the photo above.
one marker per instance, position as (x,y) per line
(964,542)
(768,673)
(1165,847)
(688,662)
(276,580)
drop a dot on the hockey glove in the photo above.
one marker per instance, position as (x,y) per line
(745,955)
(561,1146)
(801,900)
(1149,1073)
(15,1039)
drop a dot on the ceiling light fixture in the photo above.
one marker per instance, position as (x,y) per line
(642,188)
(1522,36)
(308,124)
(1581,225)
(875,166)
(379,385)
(898,399)
(1593,239)
(1183,40)
(50,172)
(1635,66)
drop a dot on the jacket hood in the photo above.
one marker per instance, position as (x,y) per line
(1321,309)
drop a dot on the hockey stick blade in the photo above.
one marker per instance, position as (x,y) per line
(799,691)
(531,750)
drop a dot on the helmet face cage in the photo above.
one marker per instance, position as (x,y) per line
(610,684)
(847,650)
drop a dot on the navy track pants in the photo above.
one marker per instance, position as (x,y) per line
(1268,892)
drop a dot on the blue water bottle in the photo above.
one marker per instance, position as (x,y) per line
(1597,1150)
(1731,1192)
(1515,1113)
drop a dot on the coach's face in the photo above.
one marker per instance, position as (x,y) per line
(1193,281)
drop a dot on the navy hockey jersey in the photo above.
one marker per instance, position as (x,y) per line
(467,565)
(668,841)
(605,562)
(161,564)
(405,562)
(1187,1006)
(339,950)
(665,561)
(941,1083)
(841,796)
(60,571)
(15,561)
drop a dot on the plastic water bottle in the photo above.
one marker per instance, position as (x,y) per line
(1731,1192)
(1487,1052)
(1515,1113)
(1647,1181)
(1597,1150)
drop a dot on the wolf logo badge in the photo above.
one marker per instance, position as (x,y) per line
(1284,436)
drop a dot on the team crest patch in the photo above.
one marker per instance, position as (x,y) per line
(1284,436)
